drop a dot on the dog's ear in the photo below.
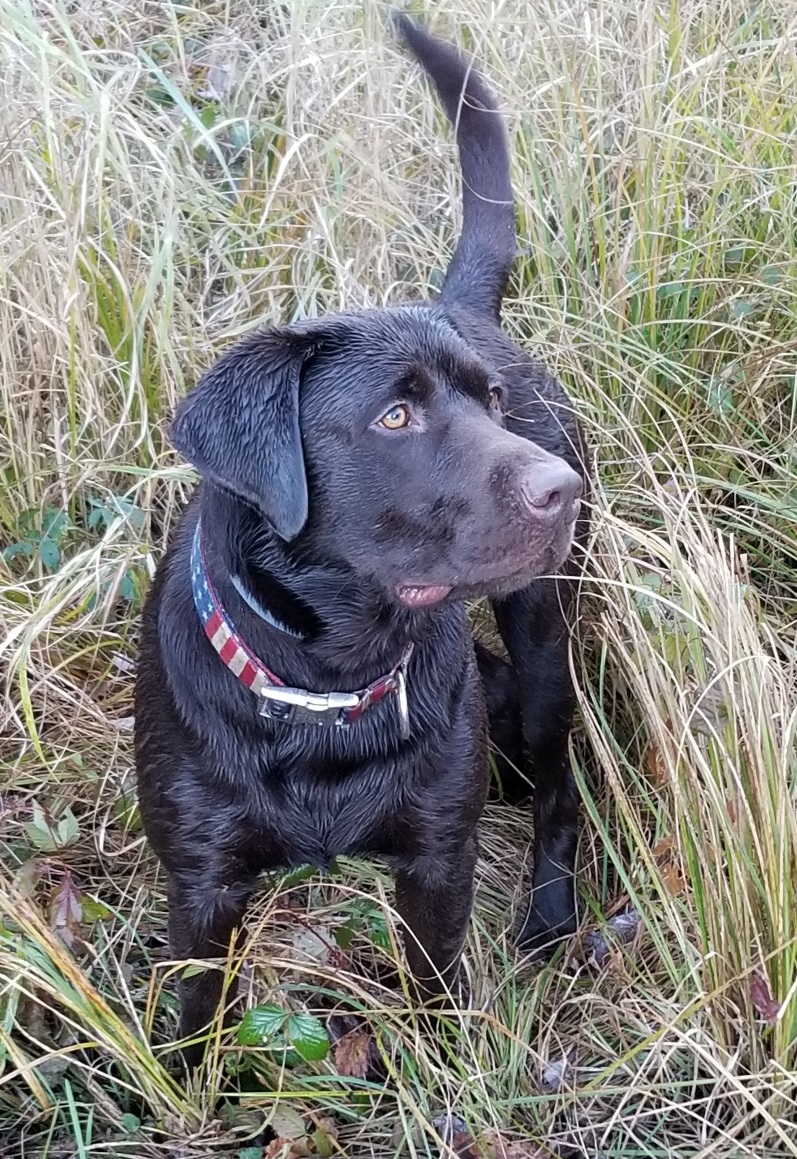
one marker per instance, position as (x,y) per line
(240,426)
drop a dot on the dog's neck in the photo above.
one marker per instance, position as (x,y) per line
(324,626)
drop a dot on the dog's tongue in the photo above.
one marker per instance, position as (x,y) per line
(422,595)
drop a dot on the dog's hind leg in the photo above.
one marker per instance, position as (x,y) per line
(505,726)
(533,625)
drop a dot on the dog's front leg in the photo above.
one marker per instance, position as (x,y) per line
(434,898)
(205,910)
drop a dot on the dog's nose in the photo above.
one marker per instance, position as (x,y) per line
(552,490)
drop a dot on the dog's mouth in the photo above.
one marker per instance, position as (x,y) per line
(489,581)
(422,595)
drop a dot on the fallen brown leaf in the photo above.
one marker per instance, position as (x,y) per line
(655,766)
(66,910)
(761,997)
(282,1148)
(352,1054)
(663,848)
(455,1134)
(463,1145)
(673,880)
(500,1148)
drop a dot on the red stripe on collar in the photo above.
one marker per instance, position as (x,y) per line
(279,702)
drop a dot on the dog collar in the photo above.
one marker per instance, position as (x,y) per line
(280,702)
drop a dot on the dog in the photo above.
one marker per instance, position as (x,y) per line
(308,685)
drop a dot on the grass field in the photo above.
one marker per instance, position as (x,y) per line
(173,175)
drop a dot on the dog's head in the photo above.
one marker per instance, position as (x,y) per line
(377,440)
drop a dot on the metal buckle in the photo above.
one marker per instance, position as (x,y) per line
(296,706)
(403,706)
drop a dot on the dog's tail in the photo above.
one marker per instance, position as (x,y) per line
(480,268)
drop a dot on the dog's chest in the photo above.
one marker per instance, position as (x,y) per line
(315,815)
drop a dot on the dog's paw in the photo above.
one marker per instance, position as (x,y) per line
(542,932)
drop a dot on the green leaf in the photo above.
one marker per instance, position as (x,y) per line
(127,588)
(67,829)
(742,309)
(192,972)
(159,95)
(209,115)
(54,524)
(39,831)
(240,135)
(323,1143)
(250,1153)
(259,1024)
(119,505)
(670,289)
(720,397)
(308,1036)
(344,935)
(296,876)
(49,554)
(378,931)
(130,1123)
(95,911)
(15,549)
(734,256)
(771,275)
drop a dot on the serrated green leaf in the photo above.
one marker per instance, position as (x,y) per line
(49,554)
(95,911)
(260,1024)
(41,838)
(39,831)
(771,275)
(54,524)
(250,1153)
(127,588)
(209,115)
(344,935)
(130,1123)
(15,549)
(308,1036)
(378,931)
(296,876)
(67,828)
(741,308)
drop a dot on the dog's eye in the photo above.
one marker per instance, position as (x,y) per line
(396,418)
(495,397)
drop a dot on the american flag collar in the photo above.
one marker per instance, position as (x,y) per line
(279,702)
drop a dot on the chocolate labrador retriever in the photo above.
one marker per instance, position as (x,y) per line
(308,684)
